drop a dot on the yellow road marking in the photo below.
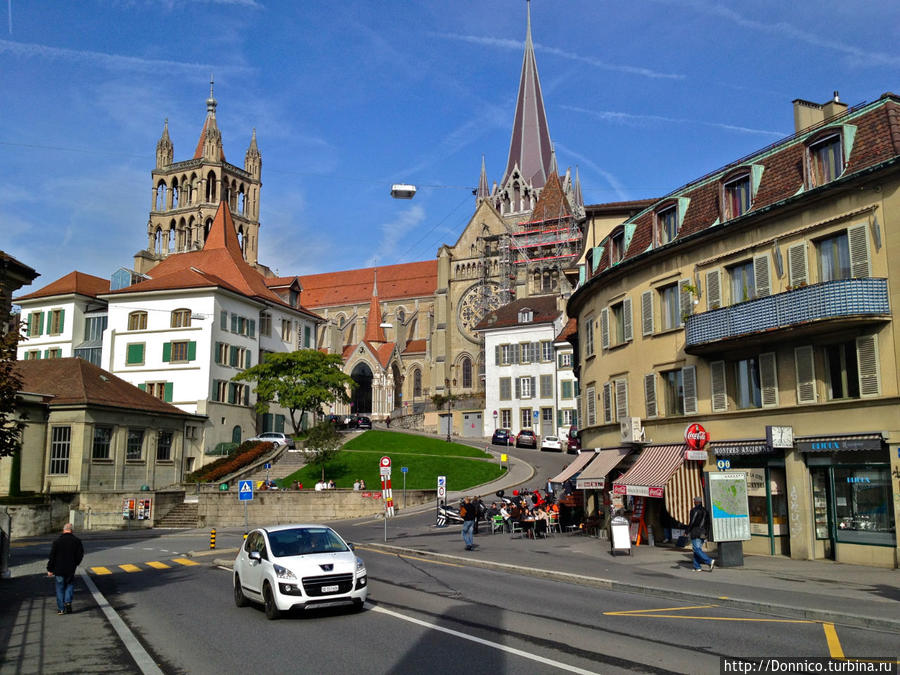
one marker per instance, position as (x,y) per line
(130,568)
(834,644)
(662,609)
(184,561)
(158,565)
(101,570)
(651,614)
(409,557)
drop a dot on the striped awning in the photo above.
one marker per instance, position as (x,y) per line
(685,484)
(651,471)
(575,467)
(606,460)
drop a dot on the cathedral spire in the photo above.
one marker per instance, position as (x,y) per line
(483,191)
(374,331)
(253,158)
(529,146)
(579,200)
(209,146)
(165,151)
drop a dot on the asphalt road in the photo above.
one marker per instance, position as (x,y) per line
(443,618)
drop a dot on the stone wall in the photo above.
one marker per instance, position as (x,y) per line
(103,510)
(29,520)
(224,509)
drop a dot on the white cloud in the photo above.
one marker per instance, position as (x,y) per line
(642,120)
(395,232)
(517,45)
(614,183)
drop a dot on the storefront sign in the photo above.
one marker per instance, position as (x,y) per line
(839,444)
(696,454)
(724,448)
(638,490)
(696,437)
(756,482)
(590,483)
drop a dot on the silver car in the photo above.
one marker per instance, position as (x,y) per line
(288,567)
(274,437)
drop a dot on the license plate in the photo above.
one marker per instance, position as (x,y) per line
(330,589)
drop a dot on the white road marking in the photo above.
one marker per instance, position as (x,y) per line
(142,658)
(487,643)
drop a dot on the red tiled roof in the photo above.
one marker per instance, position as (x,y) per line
(350,287)
(73,282)
(415,347)
(198,153)
(543,308)
(382,351)
(219,263)
(552,203)
(75,381)
(570,328)
(374,331)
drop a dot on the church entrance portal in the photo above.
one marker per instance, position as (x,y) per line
(362,396)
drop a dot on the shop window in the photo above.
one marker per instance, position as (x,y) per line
(60,447)
(863,512)
(826,160)
(164,446)
(101,444)
(737,196)
(137,321)
(759,490)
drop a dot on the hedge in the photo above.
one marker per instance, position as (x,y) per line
(246,453)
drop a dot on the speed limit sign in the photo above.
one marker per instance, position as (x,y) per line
(442,492)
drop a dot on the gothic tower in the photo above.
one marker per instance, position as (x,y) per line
(186,195)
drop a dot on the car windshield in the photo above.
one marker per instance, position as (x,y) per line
(305,541)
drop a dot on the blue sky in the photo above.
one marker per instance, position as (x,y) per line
(350,96)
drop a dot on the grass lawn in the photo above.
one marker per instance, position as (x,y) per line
(426,458)
(388,442)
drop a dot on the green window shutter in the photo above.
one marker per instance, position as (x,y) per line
(279,423)
(167,352)
(46,353)
(234,323)
(249,363)
(223,322)
(41,324)
(30,317)
(142,386)
(233,356)
(168,392)
(134,354)
(231,392)
(252,328)
(217,356)
(559,418)
(192,351)
(268,419)
(62,316)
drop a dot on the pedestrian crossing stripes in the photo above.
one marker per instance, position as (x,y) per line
(99,570)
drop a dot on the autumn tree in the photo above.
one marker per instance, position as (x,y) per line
(10,383)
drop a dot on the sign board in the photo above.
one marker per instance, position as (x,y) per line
(384,462)
(404,469)
(442,491)
(495,413)
(638,490)
(696,437)
(223,487)
(267,466)
(504,457)
(385,471)
(442,481)
(723,464)
(535,414)
(696,454)
(730,510)
(245,490)
(590,483)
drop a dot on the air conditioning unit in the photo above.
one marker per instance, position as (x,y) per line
(632,431)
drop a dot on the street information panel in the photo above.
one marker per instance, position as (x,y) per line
(729,508)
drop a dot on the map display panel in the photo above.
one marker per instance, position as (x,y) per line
(729,508)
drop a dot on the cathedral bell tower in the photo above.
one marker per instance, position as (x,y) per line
(186,195)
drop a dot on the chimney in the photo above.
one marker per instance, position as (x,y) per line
(807,113)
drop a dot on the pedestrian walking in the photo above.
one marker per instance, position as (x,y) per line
(65,557)
(697,528)
(469,514)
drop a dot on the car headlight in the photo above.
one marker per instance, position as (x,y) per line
(360,565)
(283,572)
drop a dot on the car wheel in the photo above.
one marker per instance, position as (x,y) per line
(239,598)
(358,605)
(272,611)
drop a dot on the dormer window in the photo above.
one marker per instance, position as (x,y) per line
(617,246)
(294,298)
(666,224)
(526,315)
(737,196)
(826,160)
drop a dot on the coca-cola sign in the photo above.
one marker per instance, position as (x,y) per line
(696,437)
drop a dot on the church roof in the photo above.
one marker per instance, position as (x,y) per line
(415,347)
(210,127)
(349,287)
(552,203)
(382,351)
(73,282)
(543,308)
(219,263)
(74,381)
(530,147)
(374,331)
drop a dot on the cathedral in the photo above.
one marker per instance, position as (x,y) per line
(405,331)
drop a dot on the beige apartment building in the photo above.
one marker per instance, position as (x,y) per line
(757,302)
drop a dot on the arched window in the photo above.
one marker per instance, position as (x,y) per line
(189,233)
(157,244)
(175,193)
(236,434)
(240,235)
(211,187)
(207,228)
(467,373)
(341,321)
(417,383)
(181,318)
(137,321)
(401,315)
(160,196)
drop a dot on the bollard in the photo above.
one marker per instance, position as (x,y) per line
(245,535)
(212,538)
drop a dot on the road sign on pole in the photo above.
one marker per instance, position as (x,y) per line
(245,490)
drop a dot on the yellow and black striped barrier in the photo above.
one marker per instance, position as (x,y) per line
(212,538)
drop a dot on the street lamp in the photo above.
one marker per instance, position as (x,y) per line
(449,408)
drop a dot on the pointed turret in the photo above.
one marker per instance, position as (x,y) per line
(209,147)
(578,200)
(222,233)
(165,151)
(530,145)
(374,331)
(553,169)
(253,159)
(483,191)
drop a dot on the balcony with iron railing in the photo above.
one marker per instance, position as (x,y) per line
(805,311)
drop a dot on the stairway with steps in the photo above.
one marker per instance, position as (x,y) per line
(185,514)
(288,463)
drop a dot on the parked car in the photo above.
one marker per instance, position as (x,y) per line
(336,420)
(274,437)
(287,567)
(526,437)
(363,423)
(501,437)
(573,442)
(551,443)
(350,421)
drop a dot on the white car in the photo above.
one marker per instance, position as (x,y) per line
(289,567)
(274,437)
(551,443)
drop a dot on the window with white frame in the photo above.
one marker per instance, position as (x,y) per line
(180,318)
(616,247)
(525,417)
(137,321)
(526,315)
(134,446)
(546,350)
(505,418)
(525,387)
(564,360)
(265,324)
(60,447)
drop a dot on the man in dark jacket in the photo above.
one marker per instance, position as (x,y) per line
(469,513)
(696,530)
(65,557)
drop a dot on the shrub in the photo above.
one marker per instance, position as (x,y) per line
(246,453)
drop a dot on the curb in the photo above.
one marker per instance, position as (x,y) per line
(820,615)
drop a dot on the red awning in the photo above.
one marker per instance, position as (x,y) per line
(651,471)
(577,465)
(683,486)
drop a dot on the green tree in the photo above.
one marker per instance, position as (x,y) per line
(323,445)
(10,383)
(301,381)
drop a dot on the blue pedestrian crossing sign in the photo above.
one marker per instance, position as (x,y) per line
(245,490)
